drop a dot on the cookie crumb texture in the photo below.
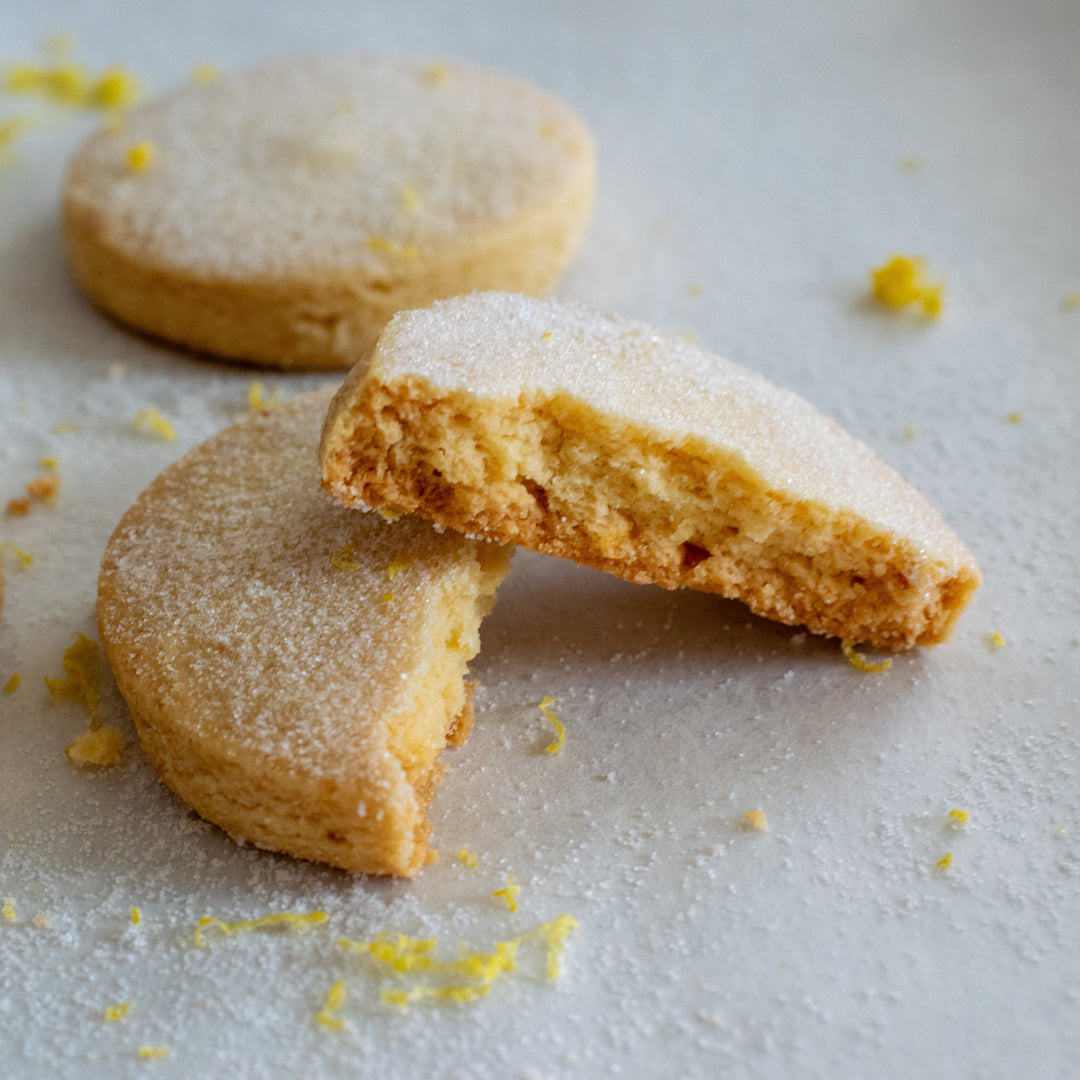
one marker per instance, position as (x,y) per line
(599,439)
(276,695)
(273,227)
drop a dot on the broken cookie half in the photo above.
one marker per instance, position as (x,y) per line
(293,669)
(598,438)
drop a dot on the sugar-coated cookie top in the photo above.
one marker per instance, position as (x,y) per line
(243,595)
(328,163)
(503,345)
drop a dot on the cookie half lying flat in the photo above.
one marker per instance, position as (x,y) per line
(293,669)
(597,438)
(282,214)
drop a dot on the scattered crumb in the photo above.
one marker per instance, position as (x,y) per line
(756,820)
(509,894)
(911,164)
(98,749)
(944,862)
(18,507)
(468,858)
(205,73)
(958,817)
(289,920)
(115,370)
(857,660)
(13,683)
(81,677)
(335,998)
(560,729)
(41,922)
(136,916)
(44,489)
(141,156)
(148,1053)
(117,1012)
(152,425)
(902,281)
(996,640)
(1014,418)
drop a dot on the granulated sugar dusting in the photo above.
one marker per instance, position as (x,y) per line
(330,162)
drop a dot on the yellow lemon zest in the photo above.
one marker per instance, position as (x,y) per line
(140,156)
(392,247)
(958,817)
(152,425)
(117,1012)
(509,894)
(911,164)
(285,918)
(468,858)
(404,954)
(50,463)
(13,683)
(257,400)
(1014,418)
(756,820)
(335,998)
(693,289)
(97,749)
(944,862)
(205,73)
(1071,301)
(546,336)
(25,560)
(388,598)
(136,916)
(902,281)
(435,74)
(560,729)
(343,559)
(149,1053)
(397,564)
(8,909)
(11,129)
(115,89)
(996,640)
(81,677)
(857,660)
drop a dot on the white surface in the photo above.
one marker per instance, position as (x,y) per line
(753,149)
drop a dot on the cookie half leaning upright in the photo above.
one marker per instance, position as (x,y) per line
(600,439)
(282,214)
(293,669)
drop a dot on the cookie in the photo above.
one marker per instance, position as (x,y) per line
(600,439)
(281,215)
(293,669)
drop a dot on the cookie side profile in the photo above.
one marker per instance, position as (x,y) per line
(293,669)
(597,438)
(281,215)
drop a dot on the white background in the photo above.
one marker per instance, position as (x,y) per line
(753,149)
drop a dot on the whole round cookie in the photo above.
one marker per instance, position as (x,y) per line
(293,668)
(282,214)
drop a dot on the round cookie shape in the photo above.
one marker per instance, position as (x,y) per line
(293,668)
(600,439)
(281,215)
